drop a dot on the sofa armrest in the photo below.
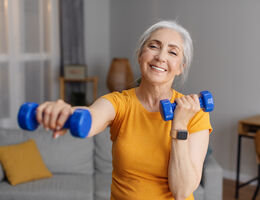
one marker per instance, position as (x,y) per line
(212,179)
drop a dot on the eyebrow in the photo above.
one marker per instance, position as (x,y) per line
(170,45)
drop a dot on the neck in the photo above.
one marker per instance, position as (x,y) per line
(150,95)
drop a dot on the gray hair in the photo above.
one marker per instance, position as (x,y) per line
(187,42)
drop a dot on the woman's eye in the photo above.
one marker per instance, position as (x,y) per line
(153,46)
(174,53)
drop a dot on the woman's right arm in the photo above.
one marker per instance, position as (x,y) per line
(53,115)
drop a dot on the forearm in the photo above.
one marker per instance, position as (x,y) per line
(183,177)
(96,121)
(186,156)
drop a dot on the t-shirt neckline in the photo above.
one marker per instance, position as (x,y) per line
(143,108)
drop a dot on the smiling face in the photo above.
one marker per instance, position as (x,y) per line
(161,58)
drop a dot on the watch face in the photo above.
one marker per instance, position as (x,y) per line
(182,135)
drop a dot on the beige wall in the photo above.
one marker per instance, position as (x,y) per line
(97,42)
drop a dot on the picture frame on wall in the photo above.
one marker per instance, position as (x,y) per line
(76,72)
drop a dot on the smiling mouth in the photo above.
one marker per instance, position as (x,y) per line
(158,68)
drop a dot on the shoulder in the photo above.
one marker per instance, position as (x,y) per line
(120,100)
(124,95)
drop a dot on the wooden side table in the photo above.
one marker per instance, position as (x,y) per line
(93,80)
(247,128)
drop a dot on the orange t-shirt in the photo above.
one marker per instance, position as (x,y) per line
(141,148)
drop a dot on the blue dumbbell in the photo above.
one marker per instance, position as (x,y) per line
(167,108)
(79,122)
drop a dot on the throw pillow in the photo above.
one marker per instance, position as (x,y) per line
(65,154)
(23,162)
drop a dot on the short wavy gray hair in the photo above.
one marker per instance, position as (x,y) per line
(187,42)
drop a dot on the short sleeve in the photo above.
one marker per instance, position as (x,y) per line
(118,101)
(201,121)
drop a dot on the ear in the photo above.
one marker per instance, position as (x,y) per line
(181,69)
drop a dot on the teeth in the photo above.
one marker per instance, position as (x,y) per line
(158,68)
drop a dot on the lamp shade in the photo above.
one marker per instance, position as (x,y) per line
(120,76)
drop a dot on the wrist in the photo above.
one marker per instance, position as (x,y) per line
(179,125)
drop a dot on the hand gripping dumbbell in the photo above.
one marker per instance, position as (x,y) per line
(167,108)
(79,122)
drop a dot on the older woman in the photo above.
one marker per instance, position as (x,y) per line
(149,161)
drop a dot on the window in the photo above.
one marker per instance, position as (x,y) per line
(29,55)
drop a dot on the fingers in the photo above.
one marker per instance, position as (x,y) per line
(46,116)
(187,107)
(53,115)
(63,117)
(196,101)
(189,102)
(60,114)
(40,111)
(56,134)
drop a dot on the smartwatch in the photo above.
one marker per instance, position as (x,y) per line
(179,134)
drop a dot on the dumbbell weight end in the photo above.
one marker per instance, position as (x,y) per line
(27,116)
(79,122)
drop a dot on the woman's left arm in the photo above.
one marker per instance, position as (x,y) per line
(186,163)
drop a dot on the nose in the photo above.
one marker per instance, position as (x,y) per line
(161,56)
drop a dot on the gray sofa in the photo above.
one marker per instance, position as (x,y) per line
(82,169)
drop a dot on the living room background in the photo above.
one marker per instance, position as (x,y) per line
(226,40)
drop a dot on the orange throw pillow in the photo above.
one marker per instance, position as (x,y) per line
(23,162)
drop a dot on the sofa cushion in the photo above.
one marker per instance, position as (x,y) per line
(65,154)
(23,162)
(199,193)
(59,187)
(1,173)
(102,186)
(103,154)
(212,179)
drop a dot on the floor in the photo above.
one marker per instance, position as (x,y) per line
(245,193)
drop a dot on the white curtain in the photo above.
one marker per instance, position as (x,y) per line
(29,55)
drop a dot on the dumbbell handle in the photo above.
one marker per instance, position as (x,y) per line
(201,104)
(79,122)
(167,108)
